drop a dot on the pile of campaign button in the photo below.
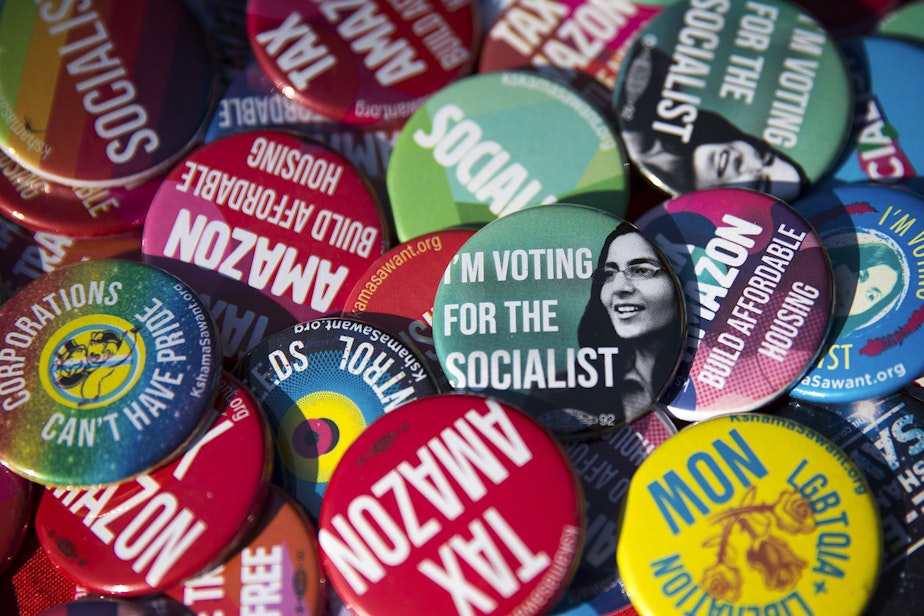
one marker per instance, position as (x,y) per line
(396,292)
(758,291)
(402,513)
(605,466)
(276,570)
(252,102)
(502,219)
(147,534)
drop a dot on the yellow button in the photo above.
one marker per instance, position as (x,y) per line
(749,515)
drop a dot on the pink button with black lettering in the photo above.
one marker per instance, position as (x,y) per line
(452,504)
(369,62)
(271,229)
(147,534)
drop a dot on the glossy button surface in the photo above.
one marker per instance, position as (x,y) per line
(749,513)
(482,536)
(147,534)
(102,93)
(118,364)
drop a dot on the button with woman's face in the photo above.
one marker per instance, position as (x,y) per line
(570,313)
(741,94)
(872,236)
(742,164)
(637,291)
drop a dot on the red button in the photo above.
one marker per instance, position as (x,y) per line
(452,504)
(149,533)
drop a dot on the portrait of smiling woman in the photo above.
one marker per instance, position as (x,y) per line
(636,306)
(715,153)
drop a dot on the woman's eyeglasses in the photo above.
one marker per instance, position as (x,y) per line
(633,271)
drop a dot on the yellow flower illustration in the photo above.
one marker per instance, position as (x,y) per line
(780,567)
(793,513)
(761,526)
(722,582)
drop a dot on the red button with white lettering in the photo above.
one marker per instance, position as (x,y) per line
(370,62)
(452,504)
(147,534)
(271,229)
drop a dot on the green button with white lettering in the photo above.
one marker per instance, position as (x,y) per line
(496,143)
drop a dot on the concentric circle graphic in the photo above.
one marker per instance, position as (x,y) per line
(316,431)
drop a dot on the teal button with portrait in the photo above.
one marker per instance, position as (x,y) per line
(568,312)
(874,236)
(745,94)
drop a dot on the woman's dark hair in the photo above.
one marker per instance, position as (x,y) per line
(636,101)
(595,328)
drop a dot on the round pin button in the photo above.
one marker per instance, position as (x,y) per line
(754,95)
(885,438)
(116,96)
(579,42)
(906,21)
(758,289)
(605,466)
(15,513)
(321,384)
(887,143)
(496,143)
(397,290)
(365,62)
(111,368)
(79,212)
(749,513)
(270,228)
(565,311)
(148,534)
(404,512)
(277,570)
(872,234)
